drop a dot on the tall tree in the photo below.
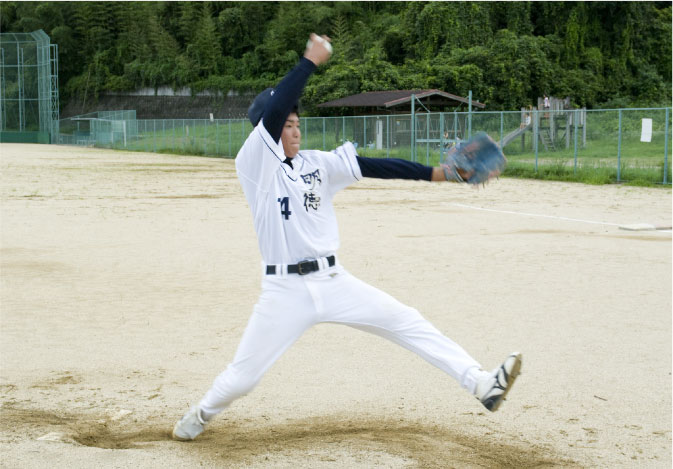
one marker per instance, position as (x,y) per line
(507,53)
(205,49)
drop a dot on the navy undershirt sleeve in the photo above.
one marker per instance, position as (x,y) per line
(393,168)
(285,97)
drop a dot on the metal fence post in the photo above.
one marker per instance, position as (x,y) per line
(323,135)
(441,135)
(536,135)
(364,131)
(147,140)
(343,129)
(619,149)
(229,125)
(413,127)
(501,128)
(427,139)
(154,134)
(217,137)
(20,83)
(469,116)
(666,147)
(575,139)
(387,136)
(455,127)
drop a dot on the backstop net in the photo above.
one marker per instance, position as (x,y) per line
(29,108)
(107,129)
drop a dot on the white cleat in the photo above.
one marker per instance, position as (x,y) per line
(189,426)
(493,389)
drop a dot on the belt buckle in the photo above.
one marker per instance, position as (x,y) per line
(300,266)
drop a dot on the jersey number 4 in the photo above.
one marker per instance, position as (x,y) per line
(285,207)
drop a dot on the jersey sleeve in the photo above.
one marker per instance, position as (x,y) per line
(342,167)
(393,168)
(285,96)
(258,159)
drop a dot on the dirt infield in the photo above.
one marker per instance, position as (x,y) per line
(127,280)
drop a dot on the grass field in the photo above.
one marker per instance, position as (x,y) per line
(597,163)
(598,156)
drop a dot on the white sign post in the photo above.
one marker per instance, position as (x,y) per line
(646,133)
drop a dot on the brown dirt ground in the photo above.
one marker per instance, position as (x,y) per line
(127,280)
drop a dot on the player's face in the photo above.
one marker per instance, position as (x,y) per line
(291,136)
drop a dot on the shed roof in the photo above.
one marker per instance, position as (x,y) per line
(395,98)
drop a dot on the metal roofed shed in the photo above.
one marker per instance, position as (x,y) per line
(414,115)
(399,101)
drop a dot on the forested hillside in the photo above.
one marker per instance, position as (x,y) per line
(602,54)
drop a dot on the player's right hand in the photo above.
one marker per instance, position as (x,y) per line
(317,51)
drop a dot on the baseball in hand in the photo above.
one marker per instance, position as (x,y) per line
(324,42)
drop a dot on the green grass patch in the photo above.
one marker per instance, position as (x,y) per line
(641,164)
(588,174)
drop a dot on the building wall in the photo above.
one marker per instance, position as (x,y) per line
(165,107)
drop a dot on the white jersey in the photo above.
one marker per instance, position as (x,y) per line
(292,206)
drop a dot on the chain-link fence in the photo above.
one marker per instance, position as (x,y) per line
(620,144)
(29,107)
(112,129)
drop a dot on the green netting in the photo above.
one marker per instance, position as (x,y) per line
(28,83)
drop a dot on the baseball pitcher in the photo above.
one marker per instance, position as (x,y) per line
(290,192)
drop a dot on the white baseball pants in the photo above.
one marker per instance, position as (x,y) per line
(290,304)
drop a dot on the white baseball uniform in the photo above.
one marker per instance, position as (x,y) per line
(295,221)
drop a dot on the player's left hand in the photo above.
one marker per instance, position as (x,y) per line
(476,161)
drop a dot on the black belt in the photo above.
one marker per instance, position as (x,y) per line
(303,268)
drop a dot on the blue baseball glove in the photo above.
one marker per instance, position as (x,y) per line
(475,161)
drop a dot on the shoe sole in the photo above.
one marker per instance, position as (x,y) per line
(177,437)
(516,371)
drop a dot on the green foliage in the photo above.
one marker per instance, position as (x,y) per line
(507,53)
(588,174)
(204,50)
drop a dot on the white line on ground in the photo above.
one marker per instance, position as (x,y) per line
(526,214)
